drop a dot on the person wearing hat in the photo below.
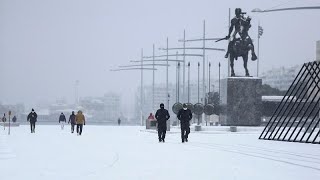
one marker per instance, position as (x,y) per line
(80,120)
(32,118)
(72,120)
(162,115)
(184,115)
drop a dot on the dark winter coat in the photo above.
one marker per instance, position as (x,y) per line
(62,118)
(184,116)
(162,115)
(72,119)
(14,119)
(32,117)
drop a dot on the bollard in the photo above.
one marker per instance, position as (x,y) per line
(233,128)
(197,128)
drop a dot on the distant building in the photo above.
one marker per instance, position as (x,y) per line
(318,51)
(280,78)
(104,109)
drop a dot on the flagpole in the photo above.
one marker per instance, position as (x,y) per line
(258,49)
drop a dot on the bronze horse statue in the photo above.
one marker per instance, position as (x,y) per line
(239,46)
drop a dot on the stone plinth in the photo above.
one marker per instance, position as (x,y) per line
(241,101)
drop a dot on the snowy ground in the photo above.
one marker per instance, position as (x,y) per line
(131,153)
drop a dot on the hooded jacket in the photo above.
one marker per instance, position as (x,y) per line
(32,117)
(162,115)
(80,118)
(184,116)
(72,119)
(62,118)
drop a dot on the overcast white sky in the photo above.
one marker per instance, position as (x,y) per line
(46,45)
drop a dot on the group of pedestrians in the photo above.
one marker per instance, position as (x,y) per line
(74,119)
(162,116)
(184,115)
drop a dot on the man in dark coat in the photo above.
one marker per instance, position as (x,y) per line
(162,115)
(4,119)
(72,120)
(32,118)
(62,120)
(184,115)
(119,121)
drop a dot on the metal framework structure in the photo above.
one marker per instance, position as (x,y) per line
(297,117)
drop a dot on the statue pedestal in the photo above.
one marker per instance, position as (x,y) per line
(241,101)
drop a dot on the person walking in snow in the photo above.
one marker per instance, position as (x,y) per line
(4,119)
(62,120)
(184,115)
(72,120)
(80,120)
(162,116)
(119,121)
(32,118)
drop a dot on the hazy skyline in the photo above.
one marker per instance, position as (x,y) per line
(46,46)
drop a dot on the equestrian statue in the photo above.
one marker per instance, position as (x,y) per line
(240,43)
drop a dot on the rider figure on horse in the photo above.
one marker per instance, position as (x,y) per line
(241,26)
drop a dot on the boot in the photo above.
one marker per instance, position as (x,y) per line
(254,56)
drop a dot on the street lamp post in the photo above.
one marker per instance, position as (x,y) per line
(209,75)
(258,50)
(141,91)
(198,82)
(178,81)
(198,90)
(219,93)
(204,62)
(257,10)
(184,66)
(188,82)
(167,82)
(153,78)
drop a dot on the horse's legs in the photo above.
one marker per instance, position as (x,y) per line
(230,44)
(245,64)
(232,65)
(251,47)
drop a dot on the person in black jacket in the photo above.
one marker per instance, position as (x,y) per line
(162,115)
(32,118)
(184,115)
(72,119)
(4,119)
(62,120)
